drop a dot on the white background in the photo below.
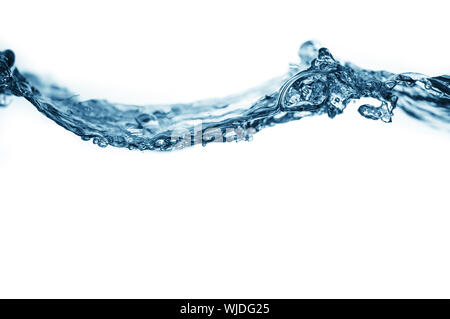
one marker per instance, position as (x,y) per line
(314,208)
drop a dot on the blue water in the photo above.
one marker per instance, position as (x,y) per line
(317,85)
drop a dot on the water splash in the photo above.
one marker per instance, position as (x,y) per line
(317,85)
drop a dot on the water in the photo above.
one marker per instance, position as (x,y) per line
(317,85)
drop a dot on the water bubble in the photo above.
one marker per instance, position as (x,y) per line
(100,141)
(295,99)
(390,84)
(145,119)
(160,142)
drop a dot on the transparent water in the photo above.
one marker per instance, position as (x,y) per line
(317,85)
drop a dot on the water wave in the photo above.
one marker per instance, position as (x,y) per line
(318,84)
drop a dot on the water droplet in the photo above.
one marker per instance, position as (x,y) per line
(324,53)
(8,57)
(5,100)
(307,52)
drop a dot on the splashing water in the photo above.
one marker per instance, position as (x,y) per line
(317,85)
